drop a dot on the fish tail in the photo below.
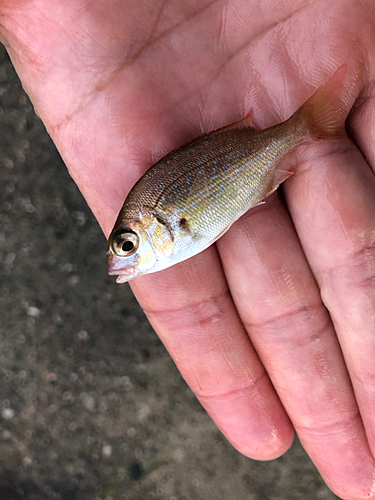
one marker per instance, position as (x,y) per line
(323,113)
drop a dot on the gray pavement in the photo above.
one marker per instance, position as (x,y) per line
(91,405)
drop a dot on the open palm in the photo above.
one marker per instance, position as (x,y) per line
(273,328)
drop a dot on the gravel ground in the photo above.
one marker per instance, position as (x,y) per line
(91,405)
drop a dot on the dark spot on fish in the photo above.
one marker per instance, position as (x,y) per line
(183,222)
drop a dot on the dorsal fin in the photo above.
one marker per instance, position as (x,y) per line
(246,122)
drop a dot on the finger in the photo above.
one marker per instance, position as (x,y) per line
(339,241)
(279,304)
(191,309)
(333,208)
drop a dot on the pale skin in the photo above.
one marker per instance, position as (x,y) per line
(273,327)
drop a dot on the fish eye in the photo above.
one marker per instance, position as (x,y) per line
(125,244)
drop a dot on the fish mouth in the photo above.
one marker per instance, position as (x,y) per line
(122,276)
(115,268)
(123,279)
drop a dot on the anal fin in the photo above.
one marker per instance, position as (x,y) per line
(280,176)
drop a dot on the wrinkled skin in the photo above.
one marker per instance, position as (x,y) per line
(273,328)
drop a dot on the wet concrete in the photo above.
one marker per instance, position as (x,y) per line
(91,405)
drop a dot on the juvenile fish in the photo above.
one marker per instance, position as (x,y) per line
(192,196)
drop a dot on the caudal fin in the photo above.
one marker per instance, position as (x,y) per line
(323,112)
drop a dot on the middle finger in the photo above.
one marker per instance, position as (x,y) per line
(280,306)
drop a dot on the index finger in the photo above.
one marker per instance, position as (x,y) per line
(191,309)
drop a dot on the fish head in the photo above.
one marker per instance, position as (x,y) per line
(139,247)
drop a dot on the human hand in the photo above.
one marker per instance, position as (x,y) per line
(266,326)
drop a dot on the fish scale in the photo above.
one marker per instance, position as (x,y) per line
(193,195)
(234,170)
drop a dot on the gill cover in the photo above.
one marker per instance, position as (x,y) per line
(159,233)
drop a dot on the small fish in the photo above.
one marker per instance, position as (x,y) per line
(192,196)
